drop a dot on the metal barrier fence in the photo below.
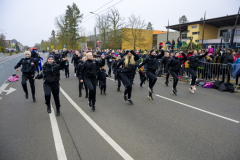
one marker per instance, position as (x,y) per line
(210,72)
(7,68)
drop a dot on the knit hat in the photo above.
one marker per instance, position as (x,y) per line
(50,56)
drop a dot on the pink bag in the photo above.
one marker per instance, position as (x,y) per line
(13,79)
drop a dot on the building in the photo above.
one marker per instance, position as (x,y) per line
(14,45)
(213,32)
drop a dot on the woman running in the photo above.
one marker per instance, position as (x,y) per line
(28,71)
(175,64)
(127,73)
(152,66)
(76,58)
(88,76)
(193,65)
(164,63)
(50,75)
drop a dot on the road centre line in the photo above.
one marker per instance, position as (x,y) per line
(57,137)
(217,115)
(117,148)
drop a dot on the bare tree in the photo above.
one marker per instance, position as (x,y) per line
(116,23)
(104,30)
(135,37)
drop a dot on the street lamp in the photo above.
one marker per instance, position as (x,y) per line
(99,30)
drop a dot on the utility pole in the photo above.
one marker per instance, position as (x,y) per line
(95,40)
(233,30)
(99,30)
(203,28)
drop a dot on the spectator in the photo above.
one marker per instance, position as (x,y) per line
(199,52)
(225,59)
(234,56)
(168,44)
(160,46)
(179,44)
(173,44)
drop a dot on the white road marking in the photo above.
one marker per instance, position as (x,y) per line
(10,90)
(3,87)
(57,137)
(217,115)
(117,148)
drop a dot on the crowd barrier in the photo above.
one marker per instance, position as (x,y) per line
(210,72)
(7,68)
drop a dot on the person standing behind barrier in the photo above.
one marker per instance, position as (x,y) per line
(88,76)
(152,66)
(160,45)
(193,65)
(128,69)
(28,71)
(179,44)
(164,63)
(225,59)
(50,75)
(174,64)
(173,44)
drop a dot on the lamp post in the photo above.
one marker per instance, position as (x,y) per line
(99,30)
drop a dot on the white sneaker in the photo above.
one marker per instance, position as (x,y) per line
(191,90)
(75,74)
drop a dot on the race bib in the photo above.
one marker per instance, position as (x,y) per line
(110,60)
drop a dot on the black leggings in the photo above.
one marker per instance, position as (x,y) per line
(192,71)
(66,70)
(25,77)
(119,83)
(109,68)
(175,78)
(143,79)
(80,86)
(152,79)
(54,88)
(127,82)
(90,83)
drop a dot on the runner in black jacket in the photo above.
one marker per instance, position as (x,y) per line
(80,86)
(109,62)
(57,57)
(143,77)
(128,69)
(50,75)
(117,76)
(152,66)
(175,64)
(28,71)
(193,65)
(102,80)
(164,63)
(88,76)
(36,58)
(76,59)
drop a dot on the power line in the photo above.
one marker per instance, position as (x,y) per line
(104,10)
(28,31)
(99,8)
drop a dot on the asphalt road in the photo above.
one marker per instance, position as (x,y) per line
(5,58)
(203,125)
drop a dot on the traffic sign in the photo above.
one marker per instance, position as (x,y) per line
(52,46)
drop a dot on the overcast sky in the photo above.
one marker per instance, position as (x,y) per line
(30,21)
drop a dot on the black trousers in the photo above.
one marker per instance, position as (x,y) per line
(119,83)
(103,85)
(167,75)
(152,79)
(192,71)
(54,89)
(109,68)
(80,86)
(127,80)
(224,73)
(25,77)
(142,79)
(90,84)
(66,70)
(175,78)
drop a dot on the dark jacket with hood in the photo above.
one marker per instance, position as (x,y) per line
(152,62)
(194,60)
(175,63)
(102,75)
(26,65)
(50,72)
(57,57)
(90,68)
(130,68)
